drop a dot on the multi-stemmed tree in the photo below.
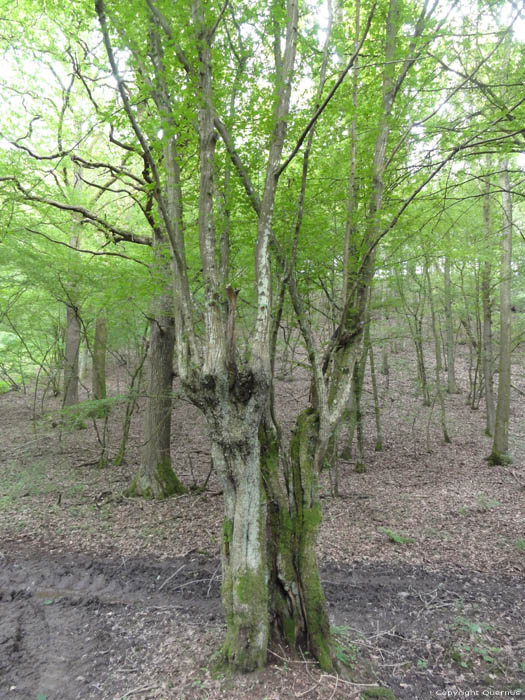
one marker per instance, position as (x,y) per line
(221,126)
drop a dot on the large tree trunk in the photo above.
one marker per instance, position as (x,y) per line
(500,446)
(233,402)
(298,616)
(243,548)
(155,477)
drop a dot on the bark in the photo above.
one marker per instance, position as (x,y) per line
(243,543)
(500,445)
(133,394)
(473,330)
(296,605)
(355,423)
(435,334)
(375,392)
(486,301)
(452,387)
(71,352)
(414,318)
(99,358)
(155,477)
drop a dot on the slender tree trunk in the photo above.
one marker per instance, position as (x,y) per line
(356,415)
(474,348)
(500,446)
(486,301)
(375,392)
(452,387)
(439,390)
(99,358)
(133,395)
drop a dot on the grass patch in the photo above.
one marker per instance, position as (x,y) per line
(31,480)
(395,537)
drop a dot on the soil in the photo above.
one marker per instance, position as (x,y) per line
(104,597)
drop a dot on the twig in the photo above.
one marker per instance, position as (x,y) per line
(335,688)
(189,583)
(291,661)
(211,580)
(172,576)
(138,690)
(305,692)
(342,680)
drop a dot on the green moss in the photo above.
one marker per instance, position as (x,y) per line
(498,459)
(289,630)
(395,537)
(163,484)
(312,518)
(227,535)
(377,692)
(168,480)
(250,586)
(227,530)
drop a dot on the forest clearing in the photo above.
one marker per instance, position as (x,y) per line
(262,328)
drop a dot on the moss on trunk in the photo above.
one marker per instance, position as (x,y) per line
(297,603)
(243,554)
(159,483)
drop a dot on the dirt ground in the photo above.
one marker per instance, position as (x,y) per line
(423,557)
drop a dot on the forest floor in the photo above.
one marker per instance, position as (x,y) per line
(104,597)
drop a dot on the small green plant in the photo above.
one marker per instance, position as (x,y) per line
(395,537)
(520,544)
(485,503)
(466,654)
(471,627)
(346,651)
(422,664)
(478,646)
(377,691)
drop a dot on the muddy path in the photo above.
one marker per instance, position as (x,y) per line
(77,627)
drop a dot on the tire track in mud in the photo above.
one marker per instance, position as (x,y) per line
(70,622)
(61,617)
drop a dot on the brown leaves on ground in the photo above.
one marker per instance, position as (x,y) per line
(423,554)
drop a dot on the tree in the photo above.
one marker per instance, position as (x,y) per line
(204,117)
(500,446)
